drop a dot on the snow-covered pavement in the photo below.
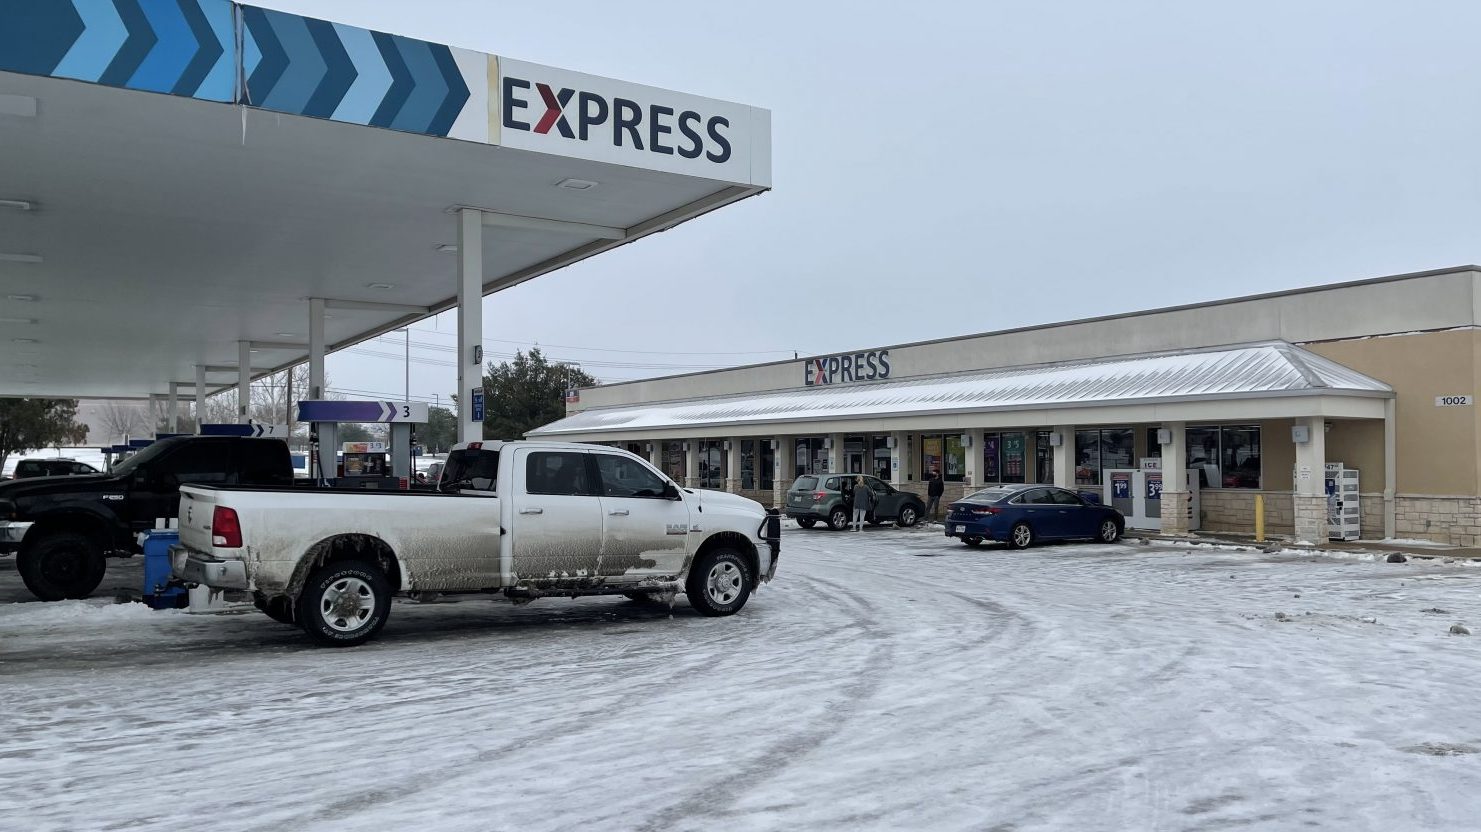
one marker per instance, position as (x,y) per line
(890,679)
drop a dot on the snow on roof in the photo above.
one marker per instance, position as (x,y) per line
(1245,371)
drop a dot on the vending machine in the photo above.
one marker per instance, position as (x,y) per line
(1344,507)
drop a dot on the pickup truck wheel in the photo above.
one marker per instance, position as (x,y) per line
(344,603)
(62,565)
(719,582)
(279,608)
(806,522)
(907,518)
(838,519)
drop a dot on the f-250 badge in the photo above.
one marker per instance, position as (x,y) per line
(678,528)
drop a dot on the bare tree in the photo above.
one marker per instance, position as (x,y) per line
(120,419)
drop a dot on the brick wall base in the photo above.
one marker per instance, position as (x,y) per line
(1310,518)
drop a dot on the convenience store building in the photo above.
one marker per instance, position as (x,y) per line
(1258,395)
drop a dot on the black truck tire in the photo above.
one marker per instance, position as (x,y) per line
(344,603)
(719,582)
(62,565)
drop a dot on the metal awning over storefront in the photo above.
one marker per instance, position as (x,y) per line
(1267,380)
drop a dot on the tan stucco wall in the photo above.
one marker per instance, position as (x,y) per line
(1437,446)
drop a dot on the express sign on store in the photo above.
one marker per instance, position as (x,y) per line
(873,365)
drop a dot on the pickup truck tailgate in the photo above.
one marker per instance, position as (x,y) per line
(196,507)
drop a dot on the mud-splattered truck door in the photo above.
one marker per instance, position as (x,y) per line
(556,527)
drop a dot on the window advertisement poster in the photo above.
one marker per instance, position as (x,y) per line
(1013,452)
(990,447)
(930,455)
(956,459)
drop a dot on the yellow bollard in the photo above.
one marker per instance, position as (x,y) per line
(1259,518)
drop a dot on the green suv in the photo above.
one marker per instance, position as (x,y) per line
(830,498)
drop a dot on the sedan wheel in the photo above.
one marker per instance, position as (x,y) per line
(907,517)
(1108,531)
(1022,536)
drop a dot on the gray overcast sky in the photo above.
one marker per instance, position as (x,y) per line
(946,168)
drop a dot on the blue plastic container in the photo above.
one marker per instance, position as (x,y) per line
(159,592)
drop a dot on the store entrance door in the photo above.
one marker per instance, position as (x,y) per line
(853,455)
(1043,459)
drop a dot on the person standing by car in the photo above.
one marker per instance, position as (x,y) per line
(863,503)
(934,489)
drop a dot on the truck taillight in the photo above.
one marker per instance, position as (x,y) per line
(226,530)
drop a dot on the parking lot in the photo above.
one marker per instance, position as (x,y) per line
(886,679)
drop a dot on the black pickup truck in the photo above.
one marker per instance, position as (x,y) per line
(63,528)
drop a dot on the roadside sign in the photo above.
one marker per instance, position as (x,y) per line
(321,410)
(476,401)
(255,430)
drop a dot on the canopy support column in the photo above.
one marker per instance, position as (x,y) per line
(1177,500)
(781,469)
(244,381)
(1310,496)
(172,423)
(470,322)
(200,396)
(1064,456)
(1390,466)
(733,465)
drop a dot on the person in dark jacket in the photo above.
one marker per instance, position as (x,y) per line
(934,489)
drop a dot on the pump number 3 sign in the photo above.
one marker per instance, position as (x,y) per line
(1453,401)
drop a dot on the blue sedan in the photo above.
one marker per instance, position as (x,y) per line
(1023,515)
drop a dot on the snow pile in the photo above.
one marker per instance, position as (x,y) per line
(89,613)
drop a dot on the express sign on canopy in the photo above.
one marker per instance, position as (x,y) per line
(550,110)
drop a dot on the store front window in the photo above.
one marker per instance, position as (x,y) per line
(811,457)
(1226,456)
(1100,450)
(748,464)
(1003,457)
(855,456)
(712,463)
(673,461)
(880,454)
(931,449)
(956,459)
(1043,458)
(768,465)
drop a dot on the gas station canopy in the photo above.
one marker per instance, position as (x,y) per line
(181,176)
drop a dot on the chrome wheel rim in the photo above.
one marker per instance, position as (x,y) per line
(347,604)
(1022,535)
(907,517)
(1108,531)
(724,583)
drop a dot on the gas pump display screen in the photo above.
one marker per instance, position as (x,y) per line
(365,465)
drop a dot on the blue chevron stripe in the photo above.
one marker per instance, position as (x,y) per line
(174,46)
(372,82)
(401,81)
(339,72)
(135,48)
(221,78)
(457,92)
(305,65)
(274,61)
(251,55)
(427,90)
(35,35)
(102,37)
(208,50)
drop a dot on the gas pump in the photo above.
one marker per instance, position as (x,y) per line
(324,418)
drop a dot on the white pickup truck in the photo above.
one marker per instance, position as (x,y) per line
(528,519)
